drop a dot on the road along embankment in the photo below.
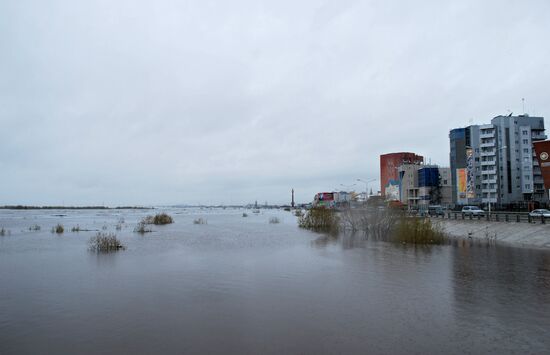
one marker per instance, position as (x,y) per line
(511,233)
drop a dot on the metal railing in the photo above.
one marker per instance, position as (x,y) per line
(518,217)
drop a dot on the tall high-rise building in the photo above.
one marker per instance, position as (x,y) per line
(494,163)
(389,175)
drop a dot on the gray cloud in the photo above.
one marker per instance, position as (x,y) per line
(133,102)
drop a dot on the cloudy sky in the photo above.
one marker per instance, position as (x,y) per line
(164,102)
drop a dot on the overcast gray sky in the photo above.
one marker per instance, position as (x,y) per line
(162,102)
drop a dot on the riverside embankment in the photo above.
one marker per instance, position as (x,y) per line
(517,234)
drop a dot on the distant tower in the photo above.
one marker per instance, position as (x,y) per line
(292,203)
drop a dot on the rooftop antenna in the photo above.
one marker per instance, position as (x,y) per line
(523,104)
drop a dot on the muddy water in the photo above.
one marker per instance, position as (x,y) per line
(243,285)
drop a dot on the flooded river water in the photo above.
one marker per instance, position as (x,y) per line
(242,285)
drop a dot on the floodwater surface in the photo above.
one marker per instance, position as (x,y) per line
(246,286)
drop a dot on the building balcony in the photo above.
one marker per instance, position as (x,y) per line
(488,190)
(488,181)
(488,162)
(538,137)
(487,145)
(487,134)
(487,154)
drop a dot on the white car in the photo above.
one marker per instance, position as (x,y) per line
(473,211)
(539,212)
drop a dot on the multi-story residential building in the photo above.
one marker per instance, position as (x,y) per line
(465,165)
(494,163)
(422,185)
(408,184)
(389,175)
(446,186)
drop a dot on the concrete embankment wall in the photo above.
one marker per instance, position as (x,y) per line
(518,234)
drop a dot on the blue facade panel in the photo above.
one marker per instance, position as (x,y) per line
(428,177)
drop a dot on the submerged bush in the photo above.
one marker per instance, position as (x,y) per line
(298,213)
(34,227)
(105,242)
(4,232)
(75,229)
(200,221)
(274,220)
(245,215)
(158,219)
(320,220)
(142,228)
(59,229)
(162,218)
(414,230)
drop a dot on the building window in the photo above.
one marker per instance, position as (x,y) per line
(526,141)
(528,186)
(526,150)
(524,133)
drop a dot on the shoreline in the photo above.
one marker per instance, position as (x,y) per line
(509,233)
(22,207)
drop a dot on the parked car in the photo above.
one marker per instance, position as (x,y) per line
(539,212)
(472,211)
(436,210)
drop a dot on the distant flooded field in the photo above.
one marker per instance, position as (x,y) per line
(255,285)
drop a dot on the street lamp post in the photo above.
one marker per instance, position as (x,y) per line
(366,182)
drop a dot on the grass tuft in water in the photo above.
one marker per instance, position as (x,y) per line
(59,229)
(142,228)
(274,220)
(414,230)
(319,220)
(105,242)
(200,221)
(158,219)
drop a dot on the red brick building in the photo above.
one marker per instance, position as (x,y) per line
(389,164)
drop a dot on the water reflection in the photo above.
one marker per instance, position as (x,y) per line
(242,285)
(499,291)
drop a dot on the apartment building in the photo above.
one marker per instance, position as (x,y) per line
(495,163)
